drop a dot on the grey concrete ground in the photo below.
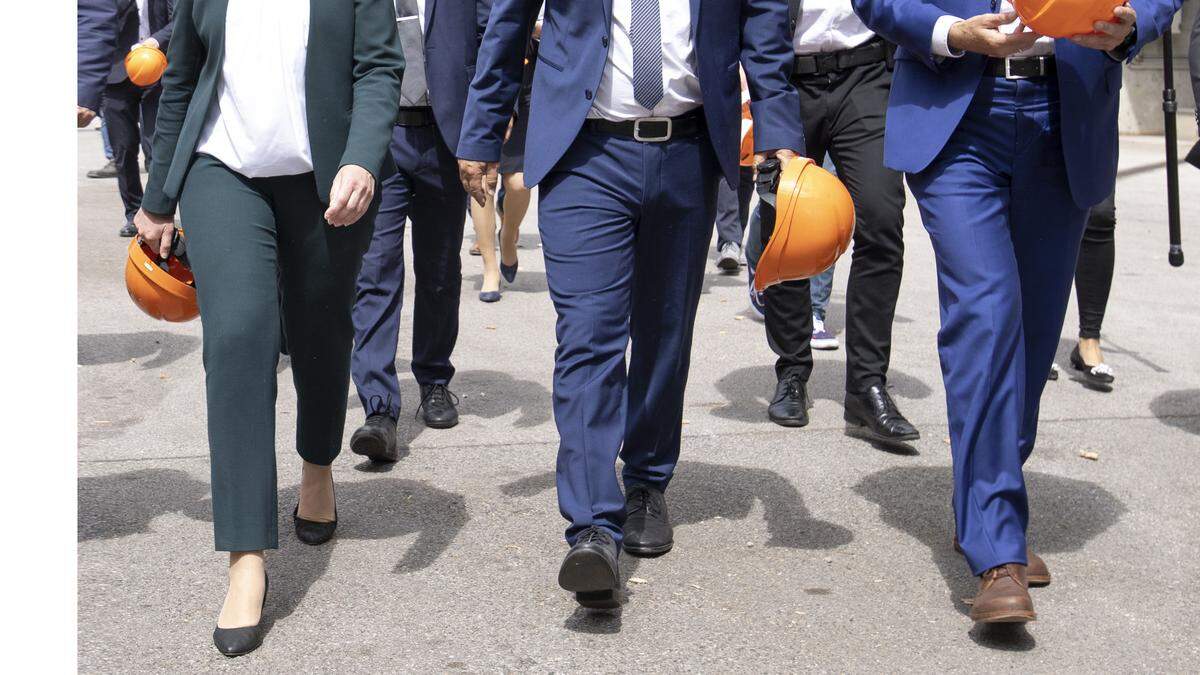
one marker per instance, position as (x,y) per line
(796,549)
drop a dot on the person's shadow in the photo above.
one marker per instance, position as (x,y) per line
(488,394)
(1066,514)
(701,492)
(119,505)
(158,348)
(1179,408)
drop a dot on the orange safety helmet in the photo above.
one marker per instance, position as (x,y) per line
(164,290)
(814,221)
(1064,18)
(145,65)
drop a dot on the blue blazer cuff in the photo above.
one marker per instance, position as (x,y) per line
(777,124)
(478,151)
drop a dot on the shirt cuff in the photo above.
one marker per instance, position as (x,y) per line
(941,37)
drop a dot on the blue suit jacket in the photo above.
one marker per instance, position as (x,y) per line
(930,95)
(97,42)
(453,31)
(572,54)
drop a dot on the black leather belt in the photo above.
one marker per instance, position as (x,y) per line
(652,129)
(1022,67)
(415,117)
(809,65)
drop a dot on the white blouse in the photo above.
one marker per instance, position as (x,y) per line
(257,125)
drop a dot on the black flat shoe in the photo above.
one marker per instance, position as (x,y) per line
(1100,373)
(509,272)
(647,527)
(790,404)
(245,639)
(310,531)
(489,296)
(590,570)
(876,415)
(438,406)
(376,439)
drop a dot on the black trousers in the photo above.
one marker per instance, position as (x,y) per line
(125,108)
(1094,271)
(843,115)
(262,253)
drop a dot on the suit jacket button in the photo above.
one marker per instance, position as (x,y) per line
(604,40)
(587,93)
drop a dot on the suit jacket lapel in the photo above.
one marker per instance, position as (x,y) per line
(429,14)
(695,17)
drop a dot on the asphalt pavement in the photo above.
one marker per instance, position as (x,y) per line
(796,549)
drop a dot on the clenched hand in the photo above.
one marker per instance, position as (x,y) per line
(351,195)
(478,178)
(157,231)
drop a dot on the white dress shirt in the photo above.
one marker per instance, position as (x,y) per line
(941,35)
(828,26)
(681,86)
(258,125)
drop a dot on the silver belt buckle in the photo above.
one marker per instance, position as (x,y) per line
(637,130)
(1008,61)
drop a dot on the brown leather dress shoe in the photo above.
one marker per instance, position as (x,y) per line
(1003,596)
(1038,573)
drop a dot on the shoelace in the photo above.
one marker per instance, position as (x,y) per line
(593,535)
(640,500)
(380,405)
(793,387)
(438,395)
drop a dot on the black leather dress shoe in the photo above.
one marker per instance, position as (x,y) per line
(590,570)
(376,439)
(647,526)
(244,639)
(127,230)
(789,406)
(876,413)
(312,532)
(438,406)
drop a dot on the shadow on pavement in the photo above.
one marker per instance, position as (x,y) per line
(153,349)
(119,505)
(1179,408)
(526,282)
(747,390)
(700,492)
(1065,515)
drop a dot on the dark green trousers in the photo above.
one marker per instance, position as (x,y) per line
(261,251)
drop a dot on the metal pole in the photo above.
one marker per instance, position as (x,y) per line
(1175,252)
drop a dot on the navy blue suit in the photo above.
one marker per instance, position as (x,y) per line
(97,43)
(625,225)
(1003,171)
(426,190)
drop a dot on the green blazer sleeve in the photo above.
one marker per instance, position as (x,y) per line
(378,68)
(185,55)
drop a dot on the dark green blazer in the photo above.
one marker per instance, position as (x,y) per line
(352,85)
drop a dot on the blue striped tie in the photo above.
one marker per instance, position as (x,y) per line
(645,38)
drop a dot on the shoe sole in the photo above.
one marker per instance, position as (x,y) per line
(728,265)
(788,422)
(1006,616)
(826,346)
(648,551)
(855,425)
(372,448)
(1038,582)
(587,573)
(598,599)
(441,425)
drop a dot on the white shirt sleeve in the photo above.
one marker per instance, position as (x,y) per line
(941,36)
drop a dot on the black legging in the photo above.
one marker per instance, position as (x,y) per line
(1094,271)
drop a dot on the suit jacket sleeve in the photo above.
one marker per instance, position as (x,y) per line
(163,35)
(97,45)
(907,23)
(767,59)
(378,70)
(184,61)
(483,9)
(497,82)
(1153,19)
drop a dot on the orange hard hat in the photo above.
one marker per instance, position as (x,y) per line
(814,222)
(1064,18)
(164,290)
(145,65)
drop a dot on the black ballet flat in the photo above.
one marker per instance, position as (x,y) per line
(1097,374)
(240,641)
(509,272)
(310,531)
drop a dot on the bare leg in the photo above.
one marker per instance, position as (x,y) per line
(247,586)
(484,220)
(1089,349)
(316,494)
(516,203)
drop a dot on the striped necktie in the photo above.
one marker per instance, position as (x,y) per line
(645,39)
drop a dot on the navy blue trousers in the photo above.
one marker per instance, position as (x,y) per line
(625,230)
(1006,235)
(426,191)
